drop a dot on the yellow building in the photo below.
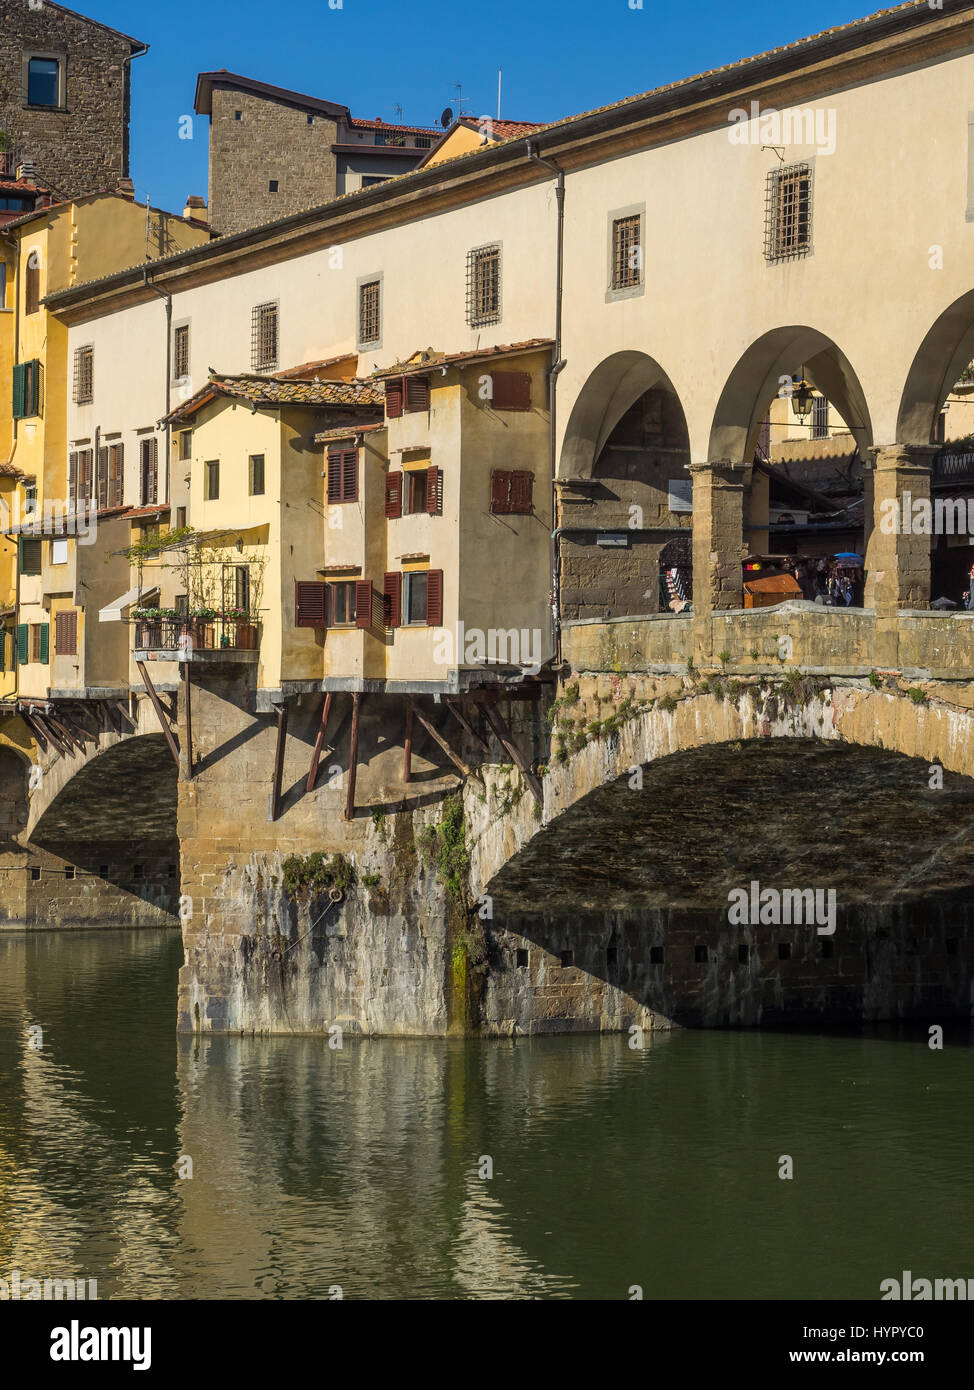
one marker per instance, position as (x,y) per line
(61,509)
(474,133)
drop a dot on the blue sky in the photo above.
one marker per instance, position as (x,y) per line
(558,57)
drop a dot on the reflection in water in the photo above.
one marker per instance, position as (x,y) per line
(358,1168)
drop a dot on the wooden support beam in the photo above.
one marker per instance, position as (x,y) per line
(353,757)
(281,712)
(63,748)
(319,742)
(61,725)
(499,725)
(407,747)
(466,724)
(438,738)
(160,712)
(186,669)
(35,728)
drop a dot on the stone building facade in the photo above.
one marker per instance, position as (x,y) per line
(64,97)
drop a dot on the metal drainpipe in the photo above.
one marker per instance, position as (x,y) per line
(142,50)
(163,294)
(556,368)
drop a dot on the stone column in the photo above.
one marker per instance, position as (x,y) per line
(897,554)
(718,535)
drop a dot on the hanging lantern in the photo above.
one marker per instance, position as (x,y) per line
(802,396)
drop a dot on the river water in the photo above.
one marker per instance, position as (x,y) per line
(360,1169)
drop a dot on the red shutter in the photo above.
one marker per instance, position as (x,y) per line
(434,491)
(500,492)
(521,492)
(102,478)
(511,390)
(434,598)
(350,475)
(334,475)
(393,495)
(66,634)
(392,596)
(394,398)
(363,603)
(310,604)
(417,393)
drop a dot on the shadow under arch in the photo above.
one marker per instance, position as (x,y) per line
(756,379)
(127,794)
(610,391)
(947,348)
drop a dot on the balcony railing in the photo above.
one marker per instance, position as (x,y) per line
(952,467)
(203,634)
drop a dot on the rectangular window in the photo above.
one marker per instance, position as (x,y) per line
(26,390)
(81,476)
(256,475)
(84,374)
(416,481)
(310,604)
(149,470)
(66,634)
(342,475)
(820,417)
(116,472)
(414,598)
(369,323)
(343,604)
(627,254)
(43,82)
(212,480)
(511,492)
(241,587)
(59,552)
(40,642)
(32,285)
(417,393)
(185,446)
(510,390)
(180,352)
(29,555)
(180,518)
(788,212)
(264,342)
(3,284)
(483,286)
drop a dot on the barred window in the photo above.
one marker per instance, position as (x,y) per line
(264,338)
(180,352)
(820,417)
(84,374)
(627,253)
(483,286)
(788,212)
(369,324)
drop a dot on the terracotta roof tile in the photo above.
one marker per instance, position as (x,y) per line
(348,431)
(275,391)
(428,358)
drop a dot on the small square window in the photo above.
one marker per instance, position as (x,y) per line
(522,960)
(238,115)
(59,552)
(627,253)
(272,187)
(102,870)
(700,955)
(656,955)
(611,955)
(35,873)
(43,82)
(743,951)
(484,286)
(784,950)
(826,947)
(69,871)
(567,959)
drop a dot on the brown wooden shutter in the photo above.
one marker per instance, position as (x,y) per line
(392,598)
(434,598)
(434,491)
(150,472)
(500,491)
(66,634)
(87,460)
(350,475)
(102,477)
(394,396)
(116,456)
(334,475)
(521,492)
(417,393)
(73,477)
(363,603)
(393,495)
(511,390)
(310,604)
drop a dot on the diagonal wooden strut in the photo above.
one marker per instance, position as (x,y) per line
(499,725)
(437,737)
(319,742)
(160,712)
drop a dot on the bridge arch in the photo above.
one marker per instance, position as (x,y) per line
(611,390)
(755,381)
(947,348)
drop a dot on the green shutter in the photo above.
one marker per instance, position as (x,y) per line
(18,396)
(23,636)
(29,555)
(3,649)
(33,404)
(45,643)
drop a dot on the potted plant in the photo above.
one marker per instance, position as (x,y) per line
(246,628)
(202,622)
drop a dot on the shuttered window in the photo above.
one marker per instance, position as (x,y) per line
(310,604)
(422,598)
(23,637)
(392,598)
(511,390)
(84,374)
(116,472)
(394,495)
(29,555)
(407,393)
(434,598)
(363,602)
(434,491)
(343,603)
(26,390)
(342,475)
(40,643)
(32,285)
(511,492)
(149,471)
(417,393)
(394,398)
(66,634)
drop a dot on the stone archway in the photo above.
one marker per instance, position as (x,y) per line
(947,348)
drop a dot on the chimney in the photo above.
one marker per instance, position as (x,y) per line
(25,169)
(195,209)
(127,189)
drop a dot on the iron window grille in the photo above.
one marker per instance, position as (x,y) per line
(820,418)
(181,351)
(788,213)
(483,286)
(264,331)
(369,329)
(84,375)
(626,253)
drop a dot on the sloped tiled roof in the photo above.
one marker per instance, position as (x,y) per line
(348,431)
(309,369)
(428,358)
(273,391)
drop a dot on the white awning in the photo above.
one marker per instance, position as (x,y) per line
(112,612)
